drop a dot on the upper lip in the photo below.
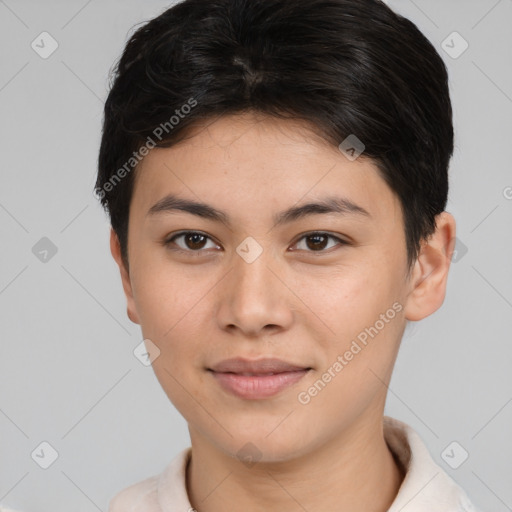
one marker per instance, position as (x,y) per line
(260,366)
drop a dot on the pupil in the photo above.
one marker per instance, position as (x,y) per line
(315,245)
(194,237)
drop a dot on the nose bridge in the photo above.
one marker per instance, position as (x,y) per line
(254,297)
(252,263)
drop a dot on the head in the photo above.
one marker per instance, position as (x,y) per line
(256,109)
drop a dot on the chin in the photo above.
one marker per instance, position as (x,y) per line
(261,449)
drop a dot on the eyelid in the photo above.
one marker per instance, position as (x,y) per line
(328,234)
(168,240)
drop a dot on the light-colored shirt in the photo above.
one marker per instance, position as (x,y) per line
(426,486)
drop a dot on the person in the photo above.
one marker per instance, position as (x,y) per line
(276,176)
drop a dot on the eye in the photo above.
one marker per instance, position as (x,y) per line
(193,241)
(317,241)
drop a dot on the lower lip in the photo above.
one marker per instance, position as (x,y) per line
(257,387)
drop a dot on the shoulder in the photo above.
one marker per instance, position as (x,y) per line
(140,497)
(162,491)
(438,490)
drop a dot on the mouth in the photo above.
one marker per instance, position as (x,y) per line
(253,380)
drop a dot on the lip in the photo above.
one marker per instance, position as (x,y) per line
(257,379)
(256,366)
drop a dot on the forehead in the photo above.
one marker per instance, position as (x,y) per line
(266,161)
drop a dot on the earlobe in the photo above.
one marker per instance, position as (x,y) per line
(115,249)
(430,273)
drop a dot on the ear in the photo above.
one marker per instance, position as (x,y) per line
(115,249)
(430,273)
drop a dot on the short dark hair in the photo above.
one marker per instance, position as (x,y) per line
(346,66)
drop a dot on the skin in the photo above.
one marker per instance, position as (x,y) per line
(304,306)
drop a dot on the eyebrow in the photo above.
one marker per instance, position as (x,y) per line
(331,204)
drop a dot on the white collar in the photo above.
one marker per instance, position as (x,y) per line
(426,486)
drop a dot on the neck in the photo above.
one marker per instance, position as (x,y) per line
(354,471)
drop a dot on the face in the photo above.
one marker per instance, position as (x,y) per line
(322,290)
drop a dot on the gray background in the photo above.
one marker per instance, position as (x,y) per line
(68,375)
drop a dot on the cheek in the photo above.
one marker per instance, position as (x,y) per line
(172,304)
(364,314)
(164,296)
(356,370)
(169,318)
(346,299)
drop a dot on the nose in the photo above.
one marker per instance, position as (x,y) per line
(254,297)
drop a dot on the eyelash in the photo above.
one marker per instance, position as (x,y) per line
(198,252)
